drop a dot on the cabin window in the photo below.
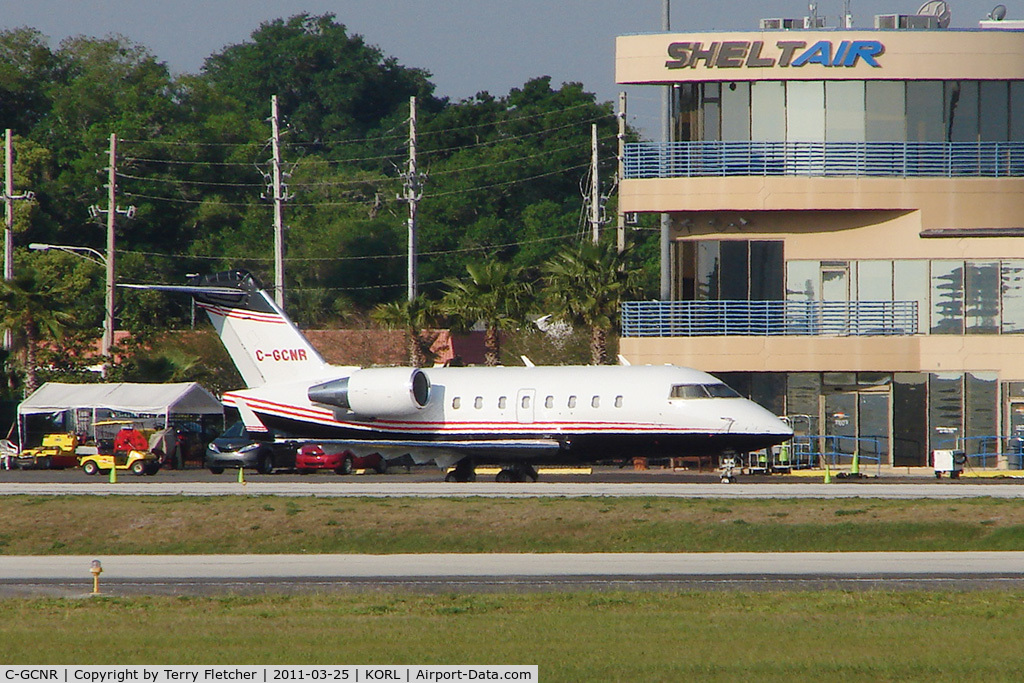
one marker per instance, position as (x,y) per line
(618,401)
(525,401)
(502,402)
(456,403)
(595,402)
(478,402)
(572,402)
(549,402)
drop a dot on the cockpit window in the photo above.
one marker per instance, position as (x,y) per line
(702,391)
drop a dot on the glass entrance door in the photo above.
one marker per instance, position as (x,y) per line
(858,422)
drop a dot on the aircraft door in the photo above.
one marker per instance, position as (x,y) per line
(524,405)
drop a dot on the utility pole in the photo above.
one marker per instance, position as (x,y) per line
(595,189)
(412,192)
(9,199)
(111,211)
(279,199)
(620,231)
(666,137)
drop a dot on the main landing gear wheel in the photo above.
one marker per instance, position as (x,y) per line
(516,473)
(464,472)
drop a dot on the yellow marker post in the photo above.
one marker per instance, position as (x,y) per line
(113,473)
(241,476)
(96,568)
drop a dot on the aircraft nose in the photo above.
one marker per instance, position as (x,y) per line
(757,420)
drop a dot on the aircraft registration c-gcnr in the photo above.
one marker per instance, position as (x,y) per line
(514,417)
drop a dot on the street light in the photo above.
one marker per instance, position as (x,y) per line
(93,256)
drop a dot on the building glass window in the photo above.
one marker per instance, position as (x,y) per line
(910,419)
(767,270)
(947,297)
(707,270)
(684,96)
(874,281)
(736,111)
(910,283)
(844,111)
(981,419)
(711,105)
(994,111)
(767,111)
(961,111)
(1017,111)
(945,409)
(802,279)
(924,111)
(981,297)
(885,111)
(734,255)
(1012,289)
(805,111)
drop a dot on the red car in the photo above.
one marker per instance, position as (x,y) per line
(313,457)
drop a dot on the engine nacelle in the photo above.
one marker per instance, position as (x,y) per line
(376,392)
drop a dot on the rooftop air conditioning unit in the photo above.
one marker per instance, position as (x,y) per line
(814,22)
(908,21)
(781,23)
(887,21)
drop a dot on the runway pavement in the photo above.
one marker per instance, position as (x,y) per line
(129,487)
(202,574)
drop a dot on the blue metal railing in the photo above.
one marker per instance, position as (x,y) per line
(844,159)
(984,451)
(808,451)
(768,318)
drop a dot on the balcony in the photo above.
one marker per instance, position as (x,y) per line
(825,159)
(769,318)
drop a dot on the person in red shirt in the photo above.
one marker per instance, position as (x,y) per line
(130,439)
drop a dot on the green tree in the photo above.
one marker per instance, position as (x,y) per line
(31,312)
(586,285)
(495,294)
(415,317)
(331,84)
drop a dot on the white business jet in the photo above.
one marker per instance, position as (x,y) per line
(514,417)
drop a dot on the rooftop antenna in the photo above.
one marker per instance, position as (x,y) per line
(847,15)
(998,13)
(937,8)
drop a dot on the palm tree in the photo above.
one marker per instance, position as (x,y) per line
(30,309)
(586,285)
(496,295)
(414,317)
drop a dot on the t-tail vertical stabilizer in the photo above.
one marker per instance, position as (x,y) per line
(263,342)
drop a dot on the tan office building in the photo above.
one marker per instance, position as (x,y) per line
(847,226)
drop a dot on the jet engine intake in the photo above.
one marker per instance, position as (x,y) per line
(376,392)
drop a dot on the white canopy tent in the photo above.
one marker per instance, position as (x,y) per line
(87,403)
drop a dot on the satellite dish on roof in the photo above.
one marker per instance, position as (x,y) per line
(998,13)
(937,8)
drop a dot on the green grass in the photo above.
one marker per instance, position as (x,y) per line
(620,636)
(154,525)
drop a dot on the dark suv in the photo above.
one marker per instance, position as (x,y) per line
(239,448)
